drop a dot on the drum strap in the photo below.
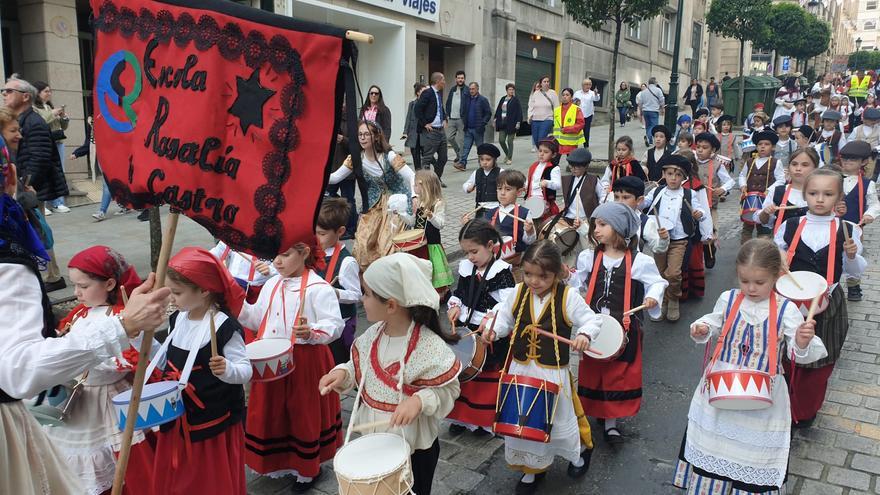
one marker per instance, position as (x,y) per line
(711,185)
(331,267)
(627,286)
(861,197)
(772,331)
(302,300)
(781,214)
(515,214)
(832,248)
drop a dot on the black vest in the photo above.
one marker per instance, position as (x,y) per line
(12,253)
(655,173)
(505,226)
(786,214)
(486,186)
(432,233)
(611,296)
(816,261)
(347,310)
(224,402)
(853,214)
(685,216)
(477,297)
(531,346)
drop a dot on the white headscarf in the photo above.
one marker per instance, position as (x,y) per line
(404,278)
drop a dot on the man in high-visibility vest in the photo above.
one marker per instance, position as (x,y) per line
(568,123)
(858,87)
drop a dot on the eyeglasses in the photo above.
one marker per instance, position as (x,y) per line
(374,93)
(364,134)
(6,91)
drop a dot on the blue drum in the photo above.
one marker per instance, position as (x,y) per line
(752,203)
(526,407)
(160,403)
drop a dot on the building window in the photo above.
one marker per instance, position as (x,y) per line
(667,33)
(696,49)
(870,25)
(871,5)
(635,32)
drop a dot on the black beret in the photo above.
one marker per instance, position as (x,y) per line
(807,131)
(701,111)
(629,183)
(856,149)
(677,161)
(871,114)
(759,136)
(662,128)
(708,137)
(488,149)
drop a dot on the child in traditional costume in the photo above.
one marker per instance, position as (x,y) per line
(623,164)
(203,450)
(407,347)
(818,243)
(511,220)
(652,237)
(484,181)
(250,272)
(545,302)
(860,195)
(581,192)
(729,451)
(544,178)
(662,147)
(616,278)
(429,214)
(291,428)
(830,140)
(483,282)
(341,271)
(756,177)
(790,196)
(90,438)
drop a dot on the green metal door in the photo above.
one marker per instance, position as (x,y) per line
(528,71)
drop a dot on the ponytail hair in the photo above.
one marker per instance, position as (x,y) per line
(480,231)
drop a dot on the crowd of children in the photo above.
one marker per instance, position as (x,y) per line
(535,292)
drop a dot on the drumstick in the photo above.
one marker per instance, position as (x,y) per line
(813,305)
(635,310)
(845,232)
(789,207)
(213,335)
(794,280)
(471,333)
(335,279)
(472,212)
(561,339)
(370,426)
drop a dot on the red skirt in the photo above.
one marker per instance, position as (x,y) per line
(613,389)
(693,273)
(476,403)
(808,390)
(290,426)
(140,466)
(214,465)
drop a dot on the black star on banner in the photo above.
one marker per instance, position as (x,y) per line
(248,105)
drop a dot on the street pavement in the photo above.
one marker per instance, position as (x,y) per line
(840,454)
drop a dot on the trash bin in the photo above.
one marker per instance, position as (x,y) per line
(757,89)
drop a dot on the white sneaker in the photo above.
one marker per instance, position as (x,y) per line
(46,212)
(122,211)
(62,209)
(98,216)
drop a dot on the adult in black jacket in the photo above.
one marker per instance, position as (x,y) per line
(375,110)
(431,119)
(476,112)
(693,95)
(508,115)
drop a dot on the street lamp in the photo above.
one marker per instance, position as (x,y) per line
(858,44)
(672,107)
(813,6)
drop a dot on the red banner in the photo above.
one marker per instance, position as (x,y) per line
(224,112)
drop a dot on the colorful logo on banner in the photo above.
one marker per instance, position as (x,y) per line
(207,107)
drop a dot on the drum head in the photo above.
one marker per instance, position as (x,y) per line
(371,456)
(465,348)
(267,348)
(812,285)
(610,339)
(408,235)
(535,206)
(150,391)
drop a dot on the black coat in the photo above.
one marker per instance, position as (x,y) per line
(383,120)
(464,93)
(425,109)
(514,115)
(38,158)
(697,97)
(482,114)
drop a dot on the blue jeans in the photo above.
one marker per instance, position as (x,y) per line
(540,130)
(55,203)
(106,197)
(472,137)
(621,112)
(651,119)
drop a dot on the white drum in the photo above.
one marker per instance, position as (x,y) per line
(160,403)
(271,359)
(811,285)
(610,342)
(739,390)
(747,146)
(375,464)
(536,207)
(471,351)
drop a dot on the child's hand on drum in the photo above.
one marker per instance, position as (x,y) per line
(650,302)
(805,334)
(850,248)
(263,268)
(407,411)
(332,382)
(581,343)
(699,330)
(217,365)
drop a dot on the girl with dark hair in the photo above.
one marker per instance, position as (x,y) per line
(483,282)
(389,186)
(374,110)
(405,346)
(545,302)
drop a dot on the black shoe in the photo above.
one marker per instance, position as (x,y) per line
(854,293)
(299,487)
(577,472)
(442,184)
(56,285)
(529,488)
(480,432)
(144,216)
(612,439)
(803,424)
(456,430)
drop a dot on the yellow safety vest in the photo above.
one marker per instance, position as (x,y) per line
(857,88)
(570,119)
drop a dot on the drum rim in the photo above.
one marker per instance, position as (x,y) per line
(786,280)
(274,356)
(149,386)
(530,381)
(398,440)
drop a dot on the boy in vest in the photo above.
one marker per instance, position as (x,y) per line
(756,177)
(581,192)
(869,131)
(485,180)
(830,140)
(799,117)
(679,212)
(652,156)
(630,191)
(786,145)
(341,271)
(713,170)
(511,220)
(860,195)
(717,109)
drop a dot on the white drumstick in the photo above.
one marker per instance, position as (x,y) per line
(561,339)
(794,280)
(814,304)
(635,310)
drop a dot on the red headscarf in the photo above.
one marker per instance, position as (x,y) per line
(106,262)
(204,269)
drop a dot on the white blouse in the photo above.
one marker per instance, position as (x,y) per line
(817,235)
(438,219)
(239,264)
(795,197)
(669,212)
(321,309)
(872,205)
(555,181)
(374,168)
(465,269)
(349,279)
(644,270)
(192,335)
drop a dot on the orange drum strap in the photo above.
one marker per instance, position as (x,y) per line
(515,214)
(302,300)
(772,330)
(832,248)
(780,215)
(328,275)
(861,198)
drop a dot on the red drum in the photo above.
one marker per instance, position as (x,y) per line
(526,407)
(739,390)
(271,359)
(752,203)
(412,242)
(508,248)
(811,285)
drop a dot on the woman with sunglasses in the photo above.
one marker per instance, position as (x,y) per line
(374,110)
